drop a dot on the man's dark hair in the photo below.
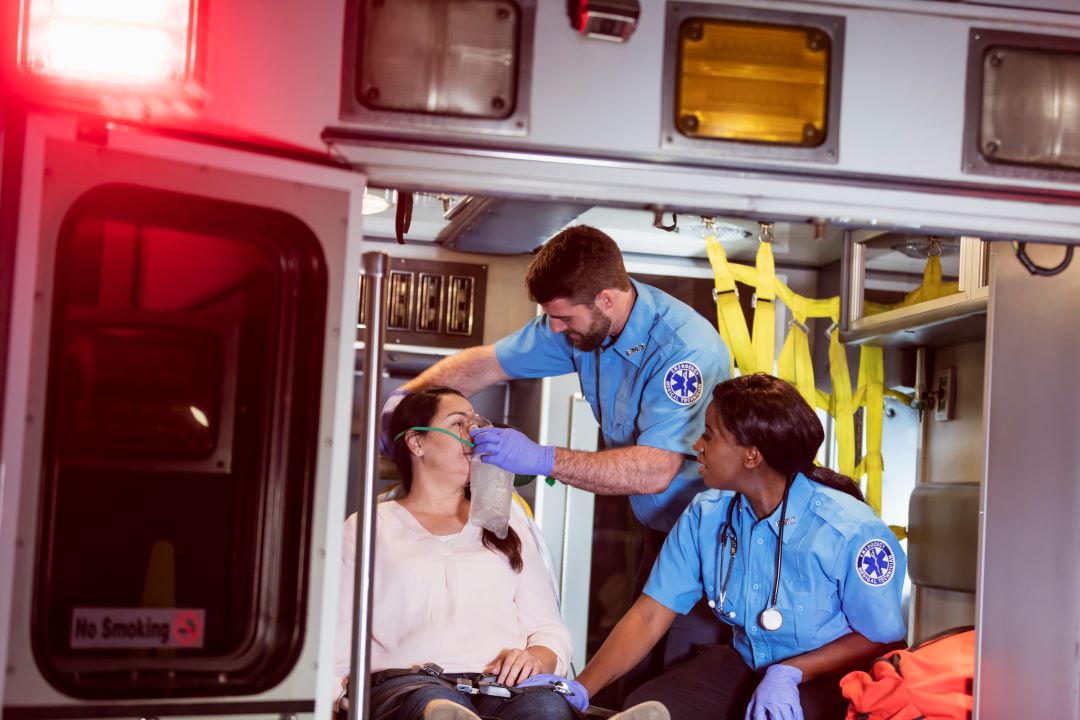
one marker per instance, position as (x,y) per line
(576,264)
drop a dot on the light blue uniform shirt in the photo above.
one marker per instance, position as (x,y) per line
(655,382)
(842,570)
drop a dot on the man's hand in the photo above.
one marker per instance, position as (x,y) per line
(512,451)
(777,695)
(386,443)
(577,695)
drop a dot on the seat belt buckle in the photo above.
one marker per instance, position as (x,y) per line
(494,689)
(561,687)
(431,669)
(465,686)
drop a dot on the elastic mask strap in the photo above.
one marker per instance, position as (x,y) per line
(444,431)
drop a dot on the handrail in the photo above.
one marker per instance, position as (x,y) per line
(375,267)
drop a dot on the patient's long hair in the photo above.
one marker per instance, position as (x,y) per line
(416,410)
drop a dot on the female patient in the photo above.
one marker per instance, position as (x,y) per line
(448,592)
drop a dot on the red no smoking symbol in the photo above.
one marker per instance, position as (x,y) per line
(187,629)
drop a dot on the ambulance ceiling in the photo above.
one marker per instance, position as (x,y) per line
(501,226)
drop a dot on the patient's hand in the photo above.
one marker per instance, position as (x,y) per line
(513,666)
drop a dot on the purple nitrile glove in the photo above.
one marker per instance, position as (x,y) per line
(777,695)
(512,451)
(386,443)
(575,694)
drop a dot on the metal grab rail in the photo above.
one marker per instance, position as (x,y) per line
(375,266)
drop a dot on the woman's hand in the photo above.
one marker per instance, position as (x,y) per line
(513,666)
(777,695)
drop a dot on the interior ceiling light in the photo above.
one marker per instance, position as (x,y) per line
(706,226)
(752,82)
(921,248)
(374,203)
(125,42)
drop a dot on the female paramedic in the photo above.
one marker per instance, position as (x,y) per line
(447,593)
(786,553)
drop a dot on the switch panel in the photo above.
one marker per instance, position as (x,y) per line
(432,303)
(945,394)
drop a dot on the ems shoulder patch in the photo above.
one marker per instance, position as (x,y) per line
(682,383)
(875,563)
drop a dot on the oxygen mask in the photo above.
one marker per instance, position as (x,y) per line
(491,488)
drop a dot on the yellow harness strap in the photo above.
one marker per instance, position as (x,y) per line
(729,314)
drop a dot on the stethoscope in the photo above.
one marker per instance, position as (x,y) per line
(770,618)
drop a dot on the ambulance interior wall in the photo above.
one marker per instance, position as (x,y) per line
(953,452)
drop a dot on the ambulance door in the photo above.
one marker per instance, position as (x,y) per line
(176,426)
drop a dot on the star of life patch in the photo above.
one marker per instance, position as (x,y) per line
(875,563)
(683,383)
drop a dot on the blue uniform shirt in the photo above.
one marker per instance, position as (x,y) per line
(656,380)
(842,570)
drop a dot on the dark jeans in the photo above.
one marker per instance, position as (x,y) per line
(718,685)
(542,705)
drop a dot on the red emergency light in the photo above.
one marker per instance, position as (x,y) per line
(113,50)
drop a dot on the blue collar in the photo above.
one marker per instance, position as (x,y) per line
(634,337)
(802,490)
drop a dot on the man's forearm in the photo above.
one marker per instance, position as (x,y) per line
(635,470)
(468,372)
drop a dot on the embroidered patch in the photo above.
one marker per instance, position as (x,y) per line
(682,383)
(875,563)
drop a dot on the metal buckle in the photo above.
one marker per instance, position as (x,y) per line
(493,689)
(561,687)
(830,330)
(465,686)
(802,326)
(431,669)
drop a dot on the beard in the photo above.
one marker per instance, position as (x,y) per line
(594,337)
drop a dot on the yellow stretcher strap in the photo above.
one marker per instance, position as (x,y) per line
(932,288)
(755,353)
(729,314)
(764,340)
(872,379)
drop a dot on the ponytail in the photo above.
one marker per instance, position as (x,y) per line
(825,476)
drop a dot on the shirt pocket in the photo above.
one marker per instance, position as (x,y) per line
(815,609)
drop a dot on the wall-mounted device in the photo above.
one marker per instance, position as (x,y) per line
(430,302)
(612,20)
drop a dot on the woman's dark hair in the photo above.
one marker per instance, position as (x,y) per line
(418,409)
(765,412)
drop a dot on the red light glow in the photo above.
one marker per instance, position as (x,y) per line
(141,42)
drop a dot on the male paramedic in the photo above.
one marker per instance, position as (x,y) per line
(647,364)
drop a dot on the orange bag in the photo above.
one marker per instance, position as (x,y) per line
(931,680)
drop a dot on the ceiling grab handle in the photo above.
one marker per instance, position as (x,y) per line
(1020,248)
(375,266)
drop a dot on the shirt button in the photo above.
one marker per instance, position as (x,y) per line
(710,588)
(760,541)
(817,503)
(799,608)
(712,603)
(757,586)
(731,614)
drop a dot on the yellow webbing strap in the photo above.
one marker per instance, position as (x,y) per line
(729,315)
(872,378)
(764,339)
(842,404)
(524,505)
(932,288)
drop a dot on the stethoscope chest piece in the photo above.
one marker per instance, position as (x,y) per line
(771,619)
